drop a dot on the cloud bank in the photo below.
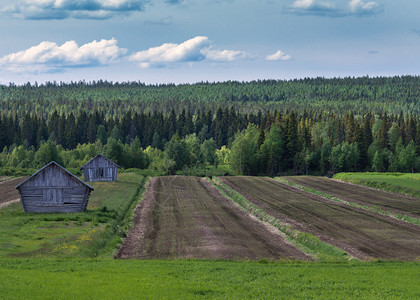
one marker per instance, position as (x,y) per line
(50,57)
(356,8)
(80,9)
(196,49)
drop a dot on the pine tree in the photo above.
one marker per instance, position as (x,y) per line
(382,134)
(101,134)
(292,139)
(71,132)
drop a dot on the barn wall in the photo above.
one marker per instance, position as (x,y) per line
(54,199)
(54,190)
(100,169)
(101,162)
(52,176)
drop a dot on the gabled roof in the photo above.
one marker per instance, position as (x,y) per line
(100,155)
(63,169)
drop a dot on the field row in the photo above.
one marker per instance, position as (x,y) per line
(390,202)
(191,217)
(361,233)
(188,217)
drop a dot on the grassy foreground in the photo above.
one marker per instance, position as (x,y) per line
(111,279)
(49,256)
(405,183)
(96,232)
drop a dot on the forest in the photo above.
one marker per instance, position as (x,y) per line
(308,126)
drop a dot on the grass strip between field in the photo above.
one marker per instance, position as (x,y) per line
(403,183)
(124,222)
(401,217)
(306,242)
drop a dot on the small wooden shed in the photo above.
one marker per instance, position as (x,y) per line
(54,189)
(100,168)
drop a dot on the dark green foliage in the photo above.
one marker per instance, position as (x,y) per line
(321,126)
(336,95)
(176,150)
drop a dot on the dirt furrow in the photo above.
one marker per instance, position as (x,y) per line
(391,202)
(360,233)
(8,191)
(196,221)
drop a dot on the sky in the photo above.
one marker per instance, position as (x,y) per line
(188,41)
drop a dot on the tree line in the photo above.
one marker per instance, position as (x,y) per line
(270,143)
(363,95)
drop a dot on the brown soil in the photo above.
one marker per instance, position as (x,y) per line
(362,234)
(186,217)
(386,201)
(7,190)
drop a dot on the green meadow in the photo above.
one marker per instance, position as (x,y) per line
(406,183)
(184,279)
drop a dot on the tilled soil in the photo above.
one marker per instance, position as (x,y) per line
(186,217)
(362,234)
(7,190)
(386,201)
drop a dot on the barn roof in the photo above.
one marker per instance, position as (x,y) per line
(63,169)
(100,155)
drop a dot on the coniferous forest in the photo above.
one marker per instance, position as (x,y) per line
(309,126)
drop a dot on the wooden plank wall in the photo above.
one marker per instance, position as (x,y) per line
(47,199)
(100,169)
(53,190)
(52,176)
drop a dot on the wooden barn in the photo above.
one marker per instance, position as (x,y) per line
(54,189)
(100,168)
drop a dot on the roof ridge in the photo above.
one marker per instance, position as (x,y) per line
(100,154)
(61,167)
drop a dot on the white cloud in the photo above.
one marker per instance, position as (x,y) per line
(279,55)
(224,55)
(311,4)
(329,9)
(192,50)
(50,57)
(83,9)
(305,4)
(312,7)
(362,8)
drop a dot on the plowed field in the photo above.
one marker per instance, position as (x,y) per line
(360,233)
(362,195)
(187,217)
(7,190)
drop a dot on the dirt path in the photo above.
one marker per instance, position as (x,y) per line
(4,204)
(360,233)
(186,217)
(391,202)
(7,190)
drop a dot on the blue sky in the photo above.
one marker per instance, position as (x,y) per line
(179,41)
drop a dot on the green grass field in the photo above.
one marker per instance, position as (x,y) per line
(94,232)
(184,279)
(406,183)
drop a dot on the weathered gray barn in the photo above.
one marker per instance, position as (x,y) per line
(54,189)
(100,168)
